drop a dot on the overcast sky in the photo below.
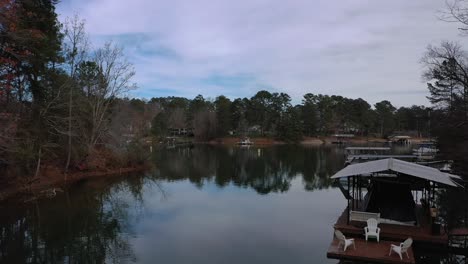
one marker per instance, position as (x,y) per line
(354,48)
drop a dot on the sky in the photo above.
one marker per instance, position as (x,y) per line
(368,49)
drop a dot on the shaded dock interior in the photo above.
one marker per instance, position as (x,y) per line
(370,251)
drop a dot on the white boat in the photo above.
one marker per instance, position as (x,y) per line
(447,167)
(245,142)
(425,149)
(442,165)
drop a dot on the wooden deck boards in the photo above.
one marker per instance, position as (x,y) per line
(421,233)
(369,252)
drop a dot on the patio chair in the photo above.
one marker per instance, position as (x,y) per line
(343,240)
(402,248)
(372,230)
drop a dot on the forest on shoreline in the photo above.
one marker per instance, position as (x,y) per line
(273,115)
(63,104)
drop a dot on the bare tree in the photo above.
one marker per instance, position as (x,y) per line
(447,68)
(75,49)
(177,118)
(205,124)
(151,110)
(121,123)
(456,12)
(114,74)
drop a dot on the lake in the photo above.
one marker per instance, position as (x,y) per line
(207,204)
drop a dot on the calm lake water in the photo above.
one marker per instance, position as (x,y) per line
(208,204)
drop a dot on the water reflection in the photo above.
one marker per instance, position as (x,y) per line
(83,225)
(120,221)
(203,205)
(266,170)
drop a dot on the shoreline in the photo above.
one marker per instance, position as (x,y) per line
(311,141)
(25,186)
(36,187)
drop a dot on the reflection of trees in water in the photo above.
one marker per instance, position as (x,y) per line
(269,169)
(85,225)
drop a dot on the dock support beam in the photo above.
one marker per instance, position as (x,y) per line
(349,191)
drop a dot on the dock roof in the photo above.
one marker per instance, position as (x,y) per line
(400,166)
(343,135)
(400,137)
(367,148)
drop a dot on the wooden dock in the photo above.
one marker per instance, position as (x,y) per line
(370,251)
(421,233)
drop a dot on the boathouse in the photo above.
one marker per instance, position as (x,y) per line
(400,195)
(401,139)
(341,138)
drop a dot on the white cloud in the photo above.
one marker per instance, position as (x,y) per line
(359,48)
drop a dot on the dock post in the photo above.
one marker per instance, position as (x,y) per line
(349,192)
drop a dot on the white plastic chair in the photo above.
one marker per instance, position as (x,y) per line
(402,248)
(372,230)
(343,240)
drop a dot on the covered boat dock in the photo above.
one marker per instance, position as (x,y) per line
(401,196)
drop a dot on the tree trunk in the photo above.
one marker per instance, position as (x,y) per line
(381,129)
(38,167)
(69,131)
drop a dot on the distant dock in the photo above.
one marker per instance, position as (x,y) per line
(368,157)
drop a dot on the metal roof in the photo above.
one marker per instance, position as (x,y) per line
(343,135)
(367,148)
(404,167)
(400,137)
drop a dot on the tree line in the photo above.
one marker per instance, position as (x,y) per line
(274,115)
(62,100)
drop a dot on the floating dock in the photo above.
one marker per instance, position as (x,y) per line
(368,157)
(370,251)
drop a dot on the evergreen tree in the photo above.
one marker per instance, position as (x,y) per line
(223,115)
(385,113)
(309,115)
(290,127)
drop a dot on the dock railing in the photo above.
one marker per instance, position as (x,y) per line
(362,216)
